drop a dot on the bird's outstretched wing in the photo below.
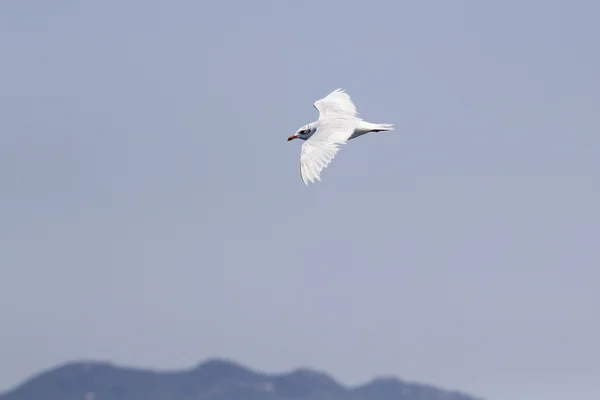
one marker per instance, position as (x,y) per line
(318,151)
(336,104)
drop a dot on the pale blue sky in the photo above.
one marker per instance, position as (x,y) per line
(153,212)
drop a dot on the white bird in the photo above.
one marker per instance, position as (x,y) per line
(337,123)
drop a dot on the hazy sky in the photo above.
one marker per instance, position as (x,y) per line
(152,212)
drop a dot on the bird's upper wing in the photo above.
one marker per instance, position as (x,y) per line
(336,104)
(318,151)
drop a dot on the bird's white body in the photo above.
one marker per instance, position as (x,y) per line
(338,122)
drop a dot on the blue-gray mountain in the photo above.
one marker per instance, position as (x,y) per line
(211,380)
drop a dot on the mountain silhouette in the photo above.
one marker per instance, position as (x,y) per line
(215,379)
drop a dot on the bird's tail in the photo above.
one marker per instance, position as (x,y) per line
(382,127)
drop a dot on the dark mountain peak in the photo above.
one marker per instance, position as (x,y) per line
(390,387)
(214,379)
(68,371)
(309,373)
(221,364)
(384,381)
(83,366)
(312,377)
(305,382)
(219,369)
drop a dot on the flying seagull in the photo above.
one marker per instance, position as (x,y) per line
(337,123)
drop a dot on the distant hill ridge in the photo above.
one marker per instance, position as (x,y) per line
(215,379)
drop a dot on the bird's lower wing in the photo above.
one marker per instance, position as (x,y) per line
(318,151)
(315,157)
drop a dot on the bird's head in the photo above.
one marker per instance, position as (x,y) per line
(303,133)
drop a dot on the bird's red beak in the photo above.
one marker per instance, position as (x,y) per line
(292,137)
